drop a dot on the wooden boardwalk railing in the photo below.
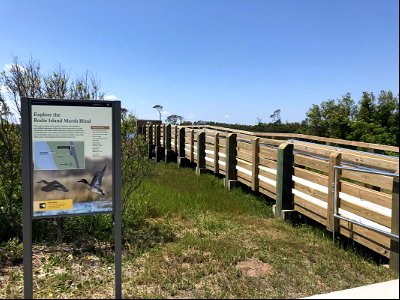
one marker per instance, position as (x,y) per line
(297,174)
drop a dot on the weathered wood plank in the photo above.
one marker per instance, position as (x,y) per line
(310,162)
(384,182)
(361,192)
(311,176)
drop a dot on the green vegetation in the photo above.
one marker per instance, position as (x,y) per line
(185,236)
(372,120)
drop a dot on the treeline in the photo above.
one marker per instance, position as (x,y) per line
(373,119)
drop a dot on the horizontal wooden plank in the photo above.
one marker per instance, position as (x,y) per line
(310,162)
(272,142)
(244,155)
(267,193)
(268,153)
(313,149)
(365,213)
(243,175)
(310,191)
(244,181)
(268,163)
(381,181)
(367,194)
(311,176)
(267,174)
(310,210)
(369,238)
(243,164)
(245,146)
(267,186)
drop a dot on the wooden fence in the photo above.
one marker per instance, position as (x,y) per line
(298,174)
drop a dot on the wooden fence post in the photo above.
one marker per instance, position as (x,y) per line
(201,152)
(144,127)
(216,153)
(181,150)
(158,143)
(176,139)
(255,164)
(150,141)
(394,245)
(332,224)
(167,143)
(191,147)
(230,167)
(284,181)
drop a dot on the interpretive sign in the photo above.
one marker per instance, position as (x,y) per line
(72,151)
(71,165)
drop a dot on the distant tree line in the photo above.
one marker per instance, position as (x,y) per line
(374,119)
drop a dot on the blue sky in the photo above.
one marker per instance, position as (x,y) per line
(222,60)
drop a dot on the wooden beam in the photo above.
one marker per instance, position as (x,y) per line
(201,152)
(150,141)
(216,155)
(255,164)
(181,150)
(334,160)
(394,245)
(230,159)
(284,182)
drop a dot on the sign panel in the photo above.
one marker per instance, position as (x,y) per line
(72,157)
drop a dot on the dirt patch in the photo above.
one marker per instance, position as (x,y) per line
(254,268)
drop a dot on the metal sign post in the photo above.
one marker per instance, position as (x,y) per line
(71,166)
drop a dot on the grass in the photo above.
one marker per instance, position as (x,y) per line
(185,236)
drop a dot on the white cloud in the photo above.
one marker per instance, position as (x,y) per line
(110,97)
(165,113)
(3,89)
(226,116)
(8,67)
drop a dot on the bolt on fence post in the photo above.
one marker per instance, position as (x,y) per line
(284,181)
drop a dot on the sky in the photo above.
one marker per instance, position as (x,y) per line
(230,61)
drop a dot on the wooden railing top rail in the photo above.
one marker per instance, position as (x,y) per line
(301,136)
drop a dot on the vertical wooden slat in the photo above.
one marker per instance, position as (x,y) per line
(201,152)
(334,160)
(216,151)
(284,181)
(150,142)
(191,141)
(394,245)
(230,171)
(167,143)
(158,143)
(255,164)
(181,150)
(175,139)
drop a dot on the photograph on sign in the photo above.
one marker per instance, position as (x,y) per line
(72,152)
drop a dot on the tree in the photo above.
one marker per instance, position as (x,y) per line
(174,119)
(159,108)
(332,118)
(134,163)
(27,80)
